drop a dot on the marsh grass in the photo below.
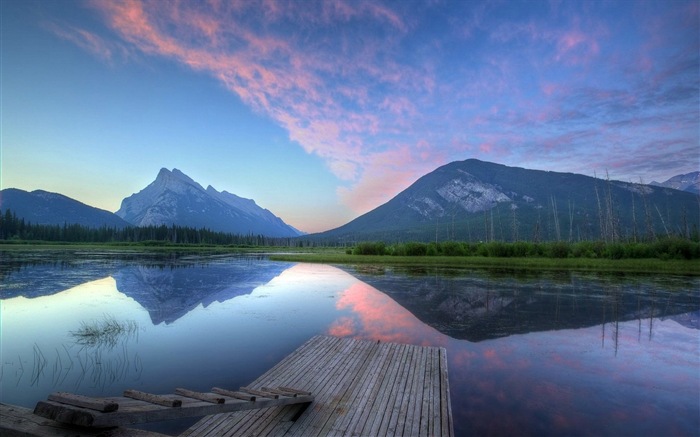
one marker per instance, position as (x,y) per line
(640,266)
(106,332)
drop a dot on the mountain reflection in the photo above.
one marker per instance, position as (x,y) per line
(168,285)
(168,294)
(480,305)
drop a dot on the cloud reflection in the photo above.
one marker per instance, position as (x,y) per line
(375,316)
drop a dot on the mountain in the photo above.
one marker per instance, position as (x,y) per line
(689,182)
(174,198)
(474,200)
(44,208)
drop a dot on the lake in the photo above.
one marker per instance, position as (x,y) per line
(551,353)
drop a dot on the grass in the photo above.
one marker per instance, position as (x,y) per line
(105,332)
(329,255)
(645,265)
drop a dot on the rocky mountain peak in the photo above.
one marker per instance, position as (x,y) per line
(175,198)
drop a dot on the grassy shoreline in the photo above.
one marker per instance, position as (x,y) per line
(328,255)
(642,266)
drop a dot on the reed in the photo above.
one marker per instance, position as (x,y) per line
(106,332)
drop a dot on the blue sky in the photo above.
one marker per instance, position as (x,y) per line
(321,111)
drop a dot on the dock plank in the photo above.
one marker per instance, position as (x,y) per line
(360,388)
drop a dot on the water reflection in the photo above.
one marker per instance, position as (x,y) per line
(571,354)
(170,293)
(480,305)
(545,354)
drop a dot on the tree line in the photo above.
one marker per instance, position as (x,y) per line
(14,228)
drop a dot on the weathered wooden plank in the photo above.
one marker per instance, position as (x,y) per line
(20,421)
(365,420)
(396,387)
(379,407)
(445,401)
(312,424)
(295,391)
(357,376)
(417,395)
(425,413)
(234,394)
(152,413)
(206,397)
(368,393)
(84,401)
(360,387)
(257,420)
(302,358)
(403,375)
(261,393)
(154,399)
(406,399)
(361,397)
(434,413)
(329,381)
(317,357)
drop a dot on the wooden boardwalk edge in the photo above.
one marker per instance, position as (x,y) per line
(329,386)
(18,421)
(362,388)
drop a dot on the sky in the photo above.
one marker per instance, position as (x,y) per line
(321,111)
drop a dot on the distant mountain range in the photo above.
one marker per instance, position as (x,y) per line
(174,198)
(689,182)
(481,201)
(44,208)
(467,200)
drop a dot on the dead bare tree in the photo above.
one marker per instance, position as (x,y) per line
(634,220)
(603,232)
(668,234)
(557,231)
(648,219)
(571,223)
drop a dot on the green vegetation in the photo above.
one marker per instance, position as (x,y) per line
(16,230)
(666,256)
(677,254)
(645,266)
(667,248)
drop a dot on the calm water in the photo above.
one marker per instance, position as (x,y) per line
(545,354)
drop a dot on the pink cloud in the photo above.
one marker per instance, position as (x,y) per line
(389,172)
(277,75)
(88,41)
(485,147)
(355,83)
(576,46)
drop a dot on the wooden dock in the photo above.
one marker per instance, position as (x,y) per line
(341,386)
(361,388)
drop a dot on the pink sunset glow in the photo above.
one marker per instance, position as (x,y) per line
(381,93)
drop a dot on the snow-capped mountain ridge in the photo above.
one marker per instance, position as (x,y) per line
(689,182)
(175,198)
(475,200)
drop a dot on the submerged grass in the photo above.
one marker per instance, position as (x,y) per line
(105,332)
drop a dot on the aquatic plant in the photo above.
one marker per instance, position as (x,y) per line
(104,332)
